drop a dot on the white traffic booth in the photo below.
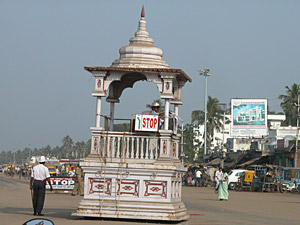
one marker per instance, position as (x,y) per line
(137,174)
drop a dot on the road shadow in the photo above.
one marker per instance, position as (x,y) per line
(66,214)
(132,221)
(15,210)
(55,213)
(290,202)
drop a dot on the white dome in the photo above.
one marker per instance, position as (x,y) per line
(140,53)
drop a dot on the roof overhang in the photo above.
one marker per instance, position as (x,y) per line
(181,75)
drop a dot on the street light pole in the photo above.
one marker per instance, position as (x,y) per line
(297,132)
(206,73)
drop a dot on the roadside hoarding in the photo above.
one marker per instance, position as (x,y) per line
(61,183)
(249,117)
(146,123)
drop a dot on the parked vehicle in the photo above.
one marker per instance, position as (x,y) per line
(259,174)
(233,177)
(245,181)
(265,178)
(52,171)
(289,177)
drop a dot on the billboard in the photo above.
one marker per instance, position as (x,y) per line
(249,117)
(61,183)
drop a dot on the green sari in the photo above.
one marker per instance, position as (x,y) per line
(223,188)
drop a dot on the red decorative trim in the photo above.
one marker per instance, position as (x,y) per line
(143,70)
(167,86)
(128,187)
(100,185)
(95,143)
(174,149)
(164,147)
(99,83)
(156,187)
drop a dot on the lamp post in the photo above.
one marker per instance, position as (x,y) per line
(206,73)
(297,132)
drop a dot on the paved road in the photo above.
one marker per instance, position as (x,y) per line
(202,204)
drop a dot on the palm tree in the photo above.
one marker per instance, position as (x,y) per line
(67,144)
(214,118)
(289,102)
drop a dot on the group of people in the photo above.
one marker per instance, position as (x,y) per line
(221,179)
(197,177)
(63,170)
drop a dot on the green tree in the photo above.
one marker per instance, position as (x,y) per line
(67,144)
(192,147)
(288,104)
(87,148)
(214,119)
(122,127)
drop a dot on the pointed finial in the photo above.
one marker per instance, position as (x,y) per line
(143,12)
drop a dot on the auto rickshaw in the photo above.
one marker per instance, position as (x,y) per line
(245,181)
(289,178)
(265,178)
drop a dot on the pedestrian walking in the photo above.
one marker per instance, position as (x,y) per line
(198,177)
(57,171)
(78,182)
(223,187)
(189,177)
(218,176)
(39,176)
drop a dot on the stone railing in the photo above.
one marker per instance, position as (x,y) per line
(115,146)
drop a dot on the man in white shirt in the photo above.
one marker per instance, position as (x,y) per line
(198,176)
(218,177)
(39,176)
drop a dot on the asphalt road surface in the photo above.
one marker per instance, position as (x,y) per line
(202,205)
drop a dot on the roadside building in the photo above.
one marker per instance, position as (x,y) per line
(278,137)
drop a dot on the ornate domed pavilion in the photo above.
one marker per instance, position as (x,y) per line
(135,174)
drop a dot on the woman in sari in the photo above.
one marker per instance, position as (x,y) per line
(189,177)
(223,187)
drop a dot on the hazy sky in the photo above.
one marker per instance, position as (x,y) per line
(251,47)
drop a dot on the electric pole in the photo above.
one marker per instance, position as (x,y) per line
(206,73)
(297,132)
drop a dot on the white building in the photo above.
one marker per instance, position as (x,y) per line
(278,136)
(220,137)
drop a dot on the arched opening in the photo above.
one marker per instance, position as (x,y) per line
(127,81)
(132,101)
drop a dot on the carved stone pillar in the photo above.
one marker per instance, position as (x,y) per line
(98,111)
(99,92)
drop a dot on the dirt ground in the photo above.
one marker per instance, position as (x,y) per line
(202,205)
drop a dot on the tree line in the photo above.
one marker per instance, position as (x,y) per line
(68,150)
